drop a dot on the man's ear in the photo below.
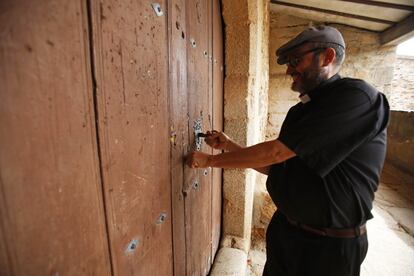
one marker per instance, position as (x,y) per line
(329,56)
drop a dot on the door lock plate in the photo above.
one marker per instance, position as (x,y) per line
(197,130)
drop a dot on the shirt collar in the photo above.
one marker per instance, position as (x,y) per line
(304,98)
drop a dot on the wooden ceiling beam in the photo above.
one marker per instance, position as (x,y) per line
(399,32)
(343,14)
(382,4)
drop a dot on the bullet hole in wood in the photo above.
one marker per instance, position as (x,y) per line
(132,246)
(193,43)
(157,8)
(196,185)
(183,35)
(162,218)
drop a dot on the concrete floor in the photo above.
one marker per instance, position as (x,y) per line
(390,232)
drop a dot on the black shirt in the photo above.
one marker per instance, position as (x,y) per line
(339,137)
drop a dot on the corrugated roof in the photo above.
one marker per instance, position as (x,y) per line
(393,20)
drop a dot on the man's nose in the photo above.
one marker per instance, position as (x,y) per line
(289,69)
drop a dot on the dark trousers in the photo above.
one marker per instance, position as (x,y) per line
(293,251)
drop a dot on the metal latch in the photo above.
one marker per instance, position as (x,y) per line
(197,137)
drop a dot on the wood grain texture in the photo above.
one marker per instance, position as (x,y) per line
(178,126)
(198,200)
(131,63)
(51,211)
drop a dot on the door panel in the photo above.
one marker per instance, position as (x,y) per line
(178,126)
(131,67)
(196,85)
(52,220)
(198,197)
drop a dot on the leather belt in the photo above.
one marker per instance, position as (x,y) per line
(331,232)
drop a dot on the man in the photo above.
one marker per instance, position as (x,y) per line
(325,165)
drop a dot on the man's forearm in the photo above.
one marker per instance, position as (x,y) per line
(257,156)
(233,146)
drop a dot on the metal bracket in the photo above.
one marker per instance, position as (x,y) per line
(157,8)
(197,129)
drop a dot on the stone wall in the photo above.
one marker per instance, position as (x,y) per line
(402,86)
(400,151)
(245,107)
(365,59)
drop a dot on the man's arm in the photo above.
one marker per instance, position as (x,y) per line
(233,146)
(258,156)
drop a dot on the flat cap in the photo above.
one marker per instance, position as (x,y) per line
(323,34)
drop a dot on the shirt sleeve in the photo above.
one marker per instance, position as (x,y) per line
(335,126)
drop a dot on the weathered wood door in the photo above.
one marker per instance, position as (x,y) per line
(130,43)
(158,70)
(100,102)
(52,219)
(196,106)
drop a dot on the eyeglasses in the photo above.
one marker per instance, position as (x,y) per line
(296,60)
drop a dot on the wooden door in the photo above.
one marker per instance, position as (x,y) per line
(52,219)
(198,192)
(100,102)
(196,106)
(131,72)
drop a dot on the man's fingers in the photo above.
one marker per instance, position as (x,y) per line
(212,137)
(190,160)
(197,159)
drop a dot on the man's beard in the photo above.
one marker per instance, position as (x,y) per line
(309,79)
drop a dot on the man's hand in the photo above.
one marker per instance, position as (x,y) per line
(197,159)
(217,140)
